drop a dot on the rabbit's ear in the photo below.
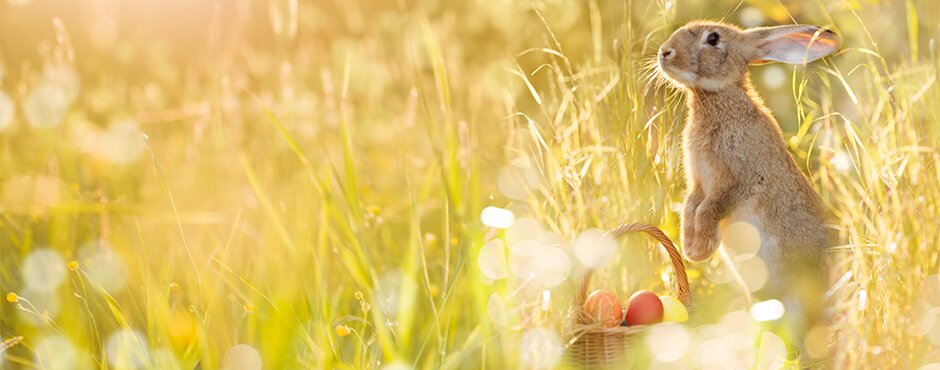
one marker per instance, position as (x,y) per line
(797,44)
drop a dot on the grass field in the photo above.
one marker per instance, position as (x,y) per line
(293,184)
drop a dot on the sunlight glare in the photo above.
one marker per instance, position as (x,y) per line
(497,217)
(768,310)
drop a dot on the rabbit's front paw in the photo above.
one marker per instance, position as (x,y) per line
(702,241)
(700,248)
(688,232)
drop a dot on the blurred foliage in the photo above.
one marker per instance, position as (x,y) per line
(307,178)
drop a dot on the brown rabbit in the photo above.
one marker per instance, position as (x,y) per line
(737,164)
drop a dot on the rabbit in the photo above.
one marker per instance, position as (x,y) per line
(736,160)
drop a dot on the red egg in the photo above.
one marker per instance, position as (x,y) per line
(603,307)
(644,308)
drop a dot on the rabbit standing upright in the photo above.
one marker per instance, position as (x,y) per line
(736,159)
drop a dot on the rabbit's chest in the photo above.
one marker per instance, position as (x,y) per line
(698,163)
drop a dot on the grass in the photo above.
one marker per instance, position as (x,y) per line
(307,179)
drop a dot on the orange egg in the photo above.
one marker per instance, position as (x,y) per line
(644,308)
(603,307)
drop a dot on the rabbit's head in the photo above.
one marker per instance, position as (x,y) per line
(713,56)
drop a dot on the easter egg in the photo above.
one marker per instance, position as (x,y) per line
(644,308)
(603,307)
(673,310)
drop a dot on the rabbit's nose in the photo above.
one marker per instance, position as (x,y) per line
(666,53)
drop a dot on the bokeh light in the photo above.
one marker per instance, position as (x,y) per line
(45,106)
(7,111)
(496,309)
(41,307)
(396,366)
(492,260)
(43,270)
(127,349)
(594,249)
(668,342)
(772,353)
(742,238)
(774,77)
(55,352)
(768,310)
(243,164)
(751,17)
(63,76)
(740,321)
(524,228)
(817,342)
(517,180)
(541,349)
(841,162)
(754,273)
(122,142)
(103,265)
(391,285)
(534,261)
(497,217)
(722,349)
(164,359)
(242,357)
(28,192)
(920,319)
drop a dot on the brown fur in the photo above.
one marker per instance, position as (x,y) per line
(737,163)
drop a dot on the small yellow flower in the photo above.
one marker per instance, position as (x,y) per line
(248,307)
(73,265)
(12,297)
(373,210)
(343,330)
(434,291)
(174,286)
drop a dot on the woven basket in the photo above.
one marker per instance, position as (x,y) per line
(594,346)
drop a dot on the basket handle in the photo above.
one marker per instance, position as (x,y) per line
(682,280)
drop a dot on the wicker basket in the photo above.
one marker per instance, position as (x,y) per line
(594,346)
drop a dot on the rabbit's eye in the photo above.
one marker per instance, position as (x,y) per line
(712,39)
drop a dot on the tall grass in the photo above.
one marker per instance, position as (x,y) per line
(308,178)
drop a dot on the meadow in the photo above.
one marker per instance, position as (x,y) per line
(412,184)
